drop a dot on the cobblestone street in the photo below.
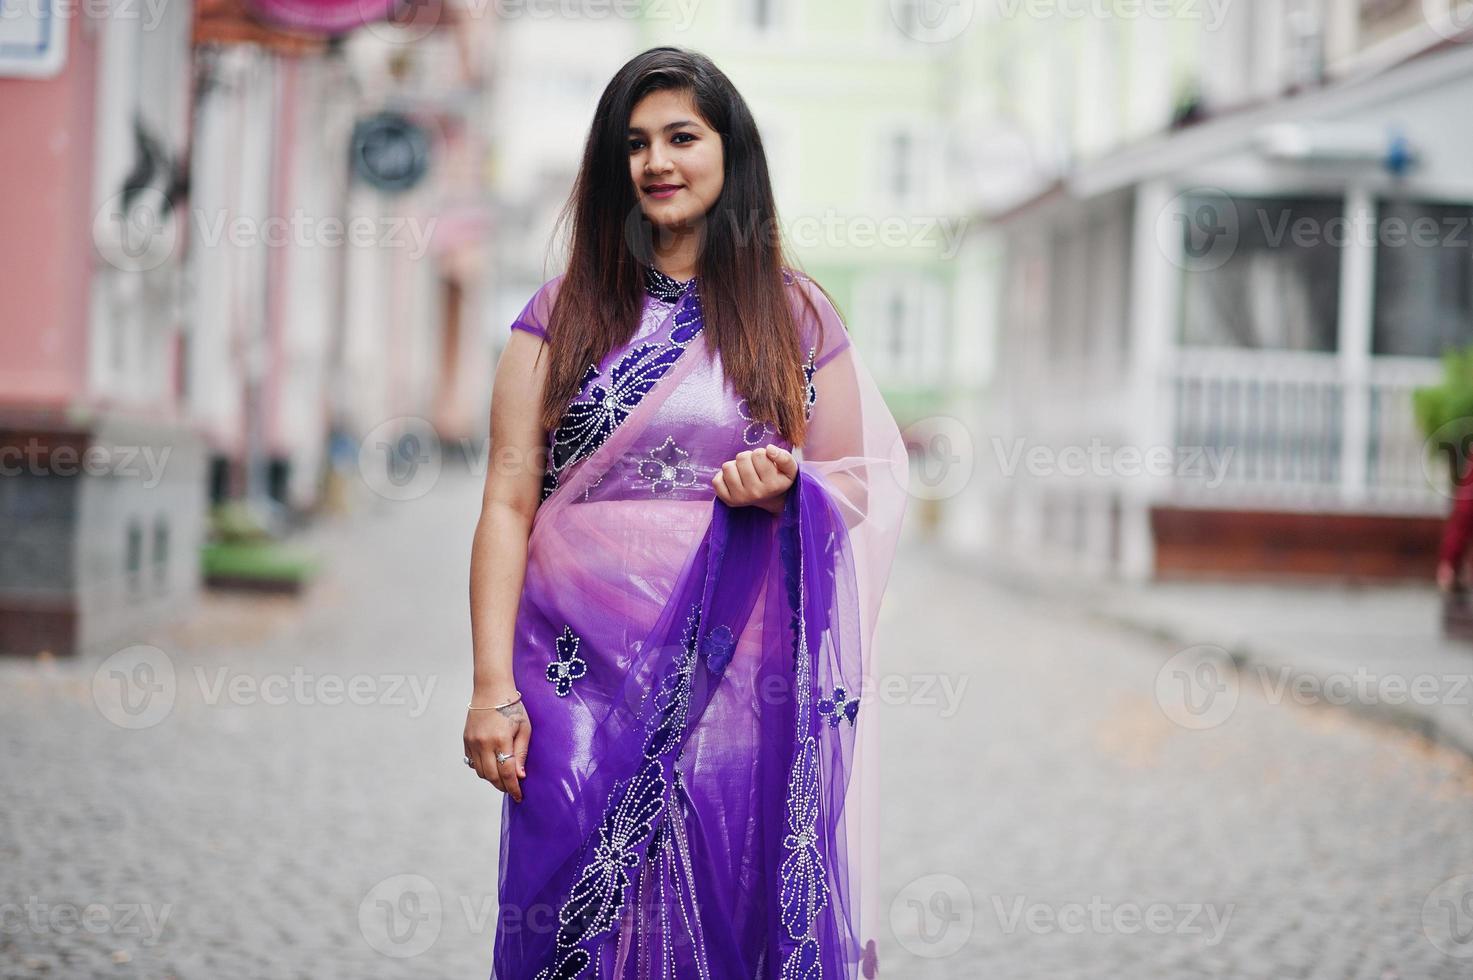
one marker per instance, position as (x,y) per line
(276,791)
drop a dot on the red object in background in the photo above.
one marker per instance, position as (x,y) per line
(1459,523)
(330,17)
(228,22)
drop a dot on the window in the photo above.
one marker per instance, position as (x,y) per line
(1424,278)
(133,556)
(899,176)
(902,321)
(1279,285)
(161,552)
(759,15)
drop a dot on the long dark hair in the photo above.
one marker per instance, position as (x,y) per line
(741,269)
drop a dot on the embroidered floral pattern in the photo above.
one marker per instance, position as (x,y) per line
(803,886)
(630,821)
(756,431)
(666,289)
(720,644)
(665,468)
(602,406)
(568,666)
(810,392)
(838,706)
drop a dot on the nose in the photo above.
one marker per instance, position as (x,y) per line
(657,162)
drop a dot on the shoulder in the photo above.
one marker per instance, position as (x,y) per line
(546,294)
(536,315)
(821,326)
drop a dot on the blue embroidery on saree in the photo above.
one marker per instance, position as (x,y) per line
(720,644)
(630,820)
(568,666)
(837,706)
(810,393)
(803,888)
(665,469)
(756,431)
(591,418)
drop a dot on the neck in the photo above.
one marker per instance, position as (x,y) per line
(675,251)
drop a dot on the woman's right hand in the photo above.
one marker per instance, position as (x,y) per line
(504,730)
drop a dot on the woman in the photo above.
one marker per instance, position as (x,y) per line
(666,588)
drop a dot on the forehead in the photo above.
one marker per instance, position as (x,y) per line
(657,108)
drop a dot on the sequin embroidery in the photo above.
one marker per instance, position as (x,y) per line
(590,419)
(838,705)
(568,666)
(664,469)
(630,820)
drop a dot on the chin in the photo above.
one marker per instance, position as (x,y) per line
(668,219)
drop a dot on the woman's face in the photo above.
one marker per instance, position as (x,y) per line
(675,159)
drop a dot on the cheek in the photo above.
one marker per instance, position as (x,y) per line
(709,169)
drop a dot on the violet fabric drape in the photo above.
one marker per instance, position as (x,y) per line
(701,781)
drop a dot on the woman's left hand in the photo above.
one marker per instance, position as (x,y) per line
(757,478)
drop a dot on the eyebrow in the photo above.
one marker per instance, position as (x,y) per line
(677,124)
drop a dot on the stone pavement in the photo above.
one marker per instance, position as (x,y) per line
(275,790)
(1377,650)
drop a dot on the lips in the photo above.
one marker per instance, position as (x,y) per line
(661,188)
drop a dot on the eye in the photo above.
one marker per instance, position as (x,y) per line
(635,144)
(677,138)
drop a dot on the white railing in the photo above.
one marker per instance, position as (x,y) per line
(1295,429)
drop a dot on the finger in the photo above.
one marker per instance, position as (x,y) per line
(751,482)
(766,469)
(486,766)
(733,479)
(519,748)
(508,770)
(786,462)
(719,482)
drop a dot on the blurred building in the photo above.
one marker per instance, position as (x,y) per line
(347,302)
(101,469)
(1207,337)
(234,231)
(546,75)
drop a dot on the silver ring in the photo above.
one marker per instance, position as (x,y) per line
(469,762)
(502,757)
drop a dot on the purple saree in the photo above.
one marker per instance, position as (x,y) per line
(700,769)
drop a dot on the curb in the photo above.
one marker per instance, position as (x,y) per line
(1092,599)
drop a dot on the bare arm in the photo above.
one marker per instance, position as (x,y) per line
(499,560)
